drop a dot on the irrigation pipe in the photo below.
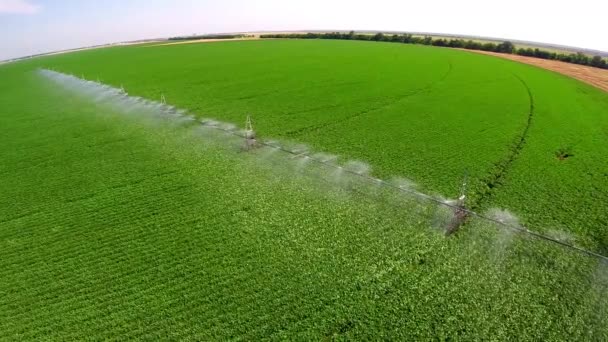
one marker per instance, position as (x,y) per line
(416,193)
(372,179)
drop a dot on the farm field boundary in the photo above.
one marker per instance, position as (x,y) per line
(196,41)
(590,75)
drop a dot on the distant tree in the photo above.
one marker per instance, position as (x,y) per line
(471,45)
(332,35)
(378,37)
(525,52)
(488,47)
(596,61)
(581,58)
(542,54)
(505,47)
(440,42)
(456,43)
(416,40)
(564,58)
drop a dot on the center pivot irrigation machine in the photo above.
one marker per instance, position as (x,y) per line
(459,213)
(459,209)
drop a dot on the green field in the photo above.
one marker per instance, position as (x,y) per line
(417,112)
(117,225)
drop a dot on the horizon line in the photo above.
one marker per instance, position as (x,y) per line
(568,48)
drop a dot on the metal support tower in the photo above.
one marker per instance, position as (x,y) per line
(460,211)
(250,141)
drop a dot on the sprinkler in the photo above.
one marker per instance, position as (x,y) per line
(460,212)
(250,141)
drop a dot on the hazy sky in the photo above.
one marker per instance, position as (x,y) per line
(35,26)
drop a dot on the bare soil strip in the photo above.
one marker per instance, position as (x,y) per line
(590,75)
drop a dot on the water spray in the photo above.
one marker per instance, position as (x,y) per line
(108,94)
(460,212)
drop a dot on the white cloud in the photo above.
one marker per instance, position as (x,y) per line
(18,7)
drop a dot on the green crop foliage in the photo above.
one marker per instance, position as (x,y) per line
(118,227)
(413,111)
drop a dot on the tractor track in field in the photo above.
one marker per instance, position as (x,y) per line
(131,183)
(312,128)
(502,167)
(101,192)
(295,90)
(20,216)
(398,99)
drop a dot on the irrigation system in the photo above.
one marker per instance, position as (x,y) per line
(460,212)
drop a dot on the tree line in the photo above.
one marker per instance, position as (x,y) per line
(504,47)
(210,36)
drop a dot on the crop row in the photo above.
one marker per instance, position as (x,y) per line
(168,235)
(365,101)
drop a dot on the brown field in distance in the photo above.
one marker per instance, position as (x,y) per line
(593,76)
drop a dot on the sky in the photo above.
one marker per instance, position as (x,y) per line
(35,26)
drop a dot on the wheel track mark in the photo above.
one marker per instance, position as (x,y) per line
(388,104)
(502,167)
(100,192)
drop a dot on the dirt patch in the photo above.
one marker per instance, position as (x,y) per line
(590,75)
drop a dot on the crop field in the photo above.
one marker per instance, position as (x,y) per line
(418,112)
(117,222)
